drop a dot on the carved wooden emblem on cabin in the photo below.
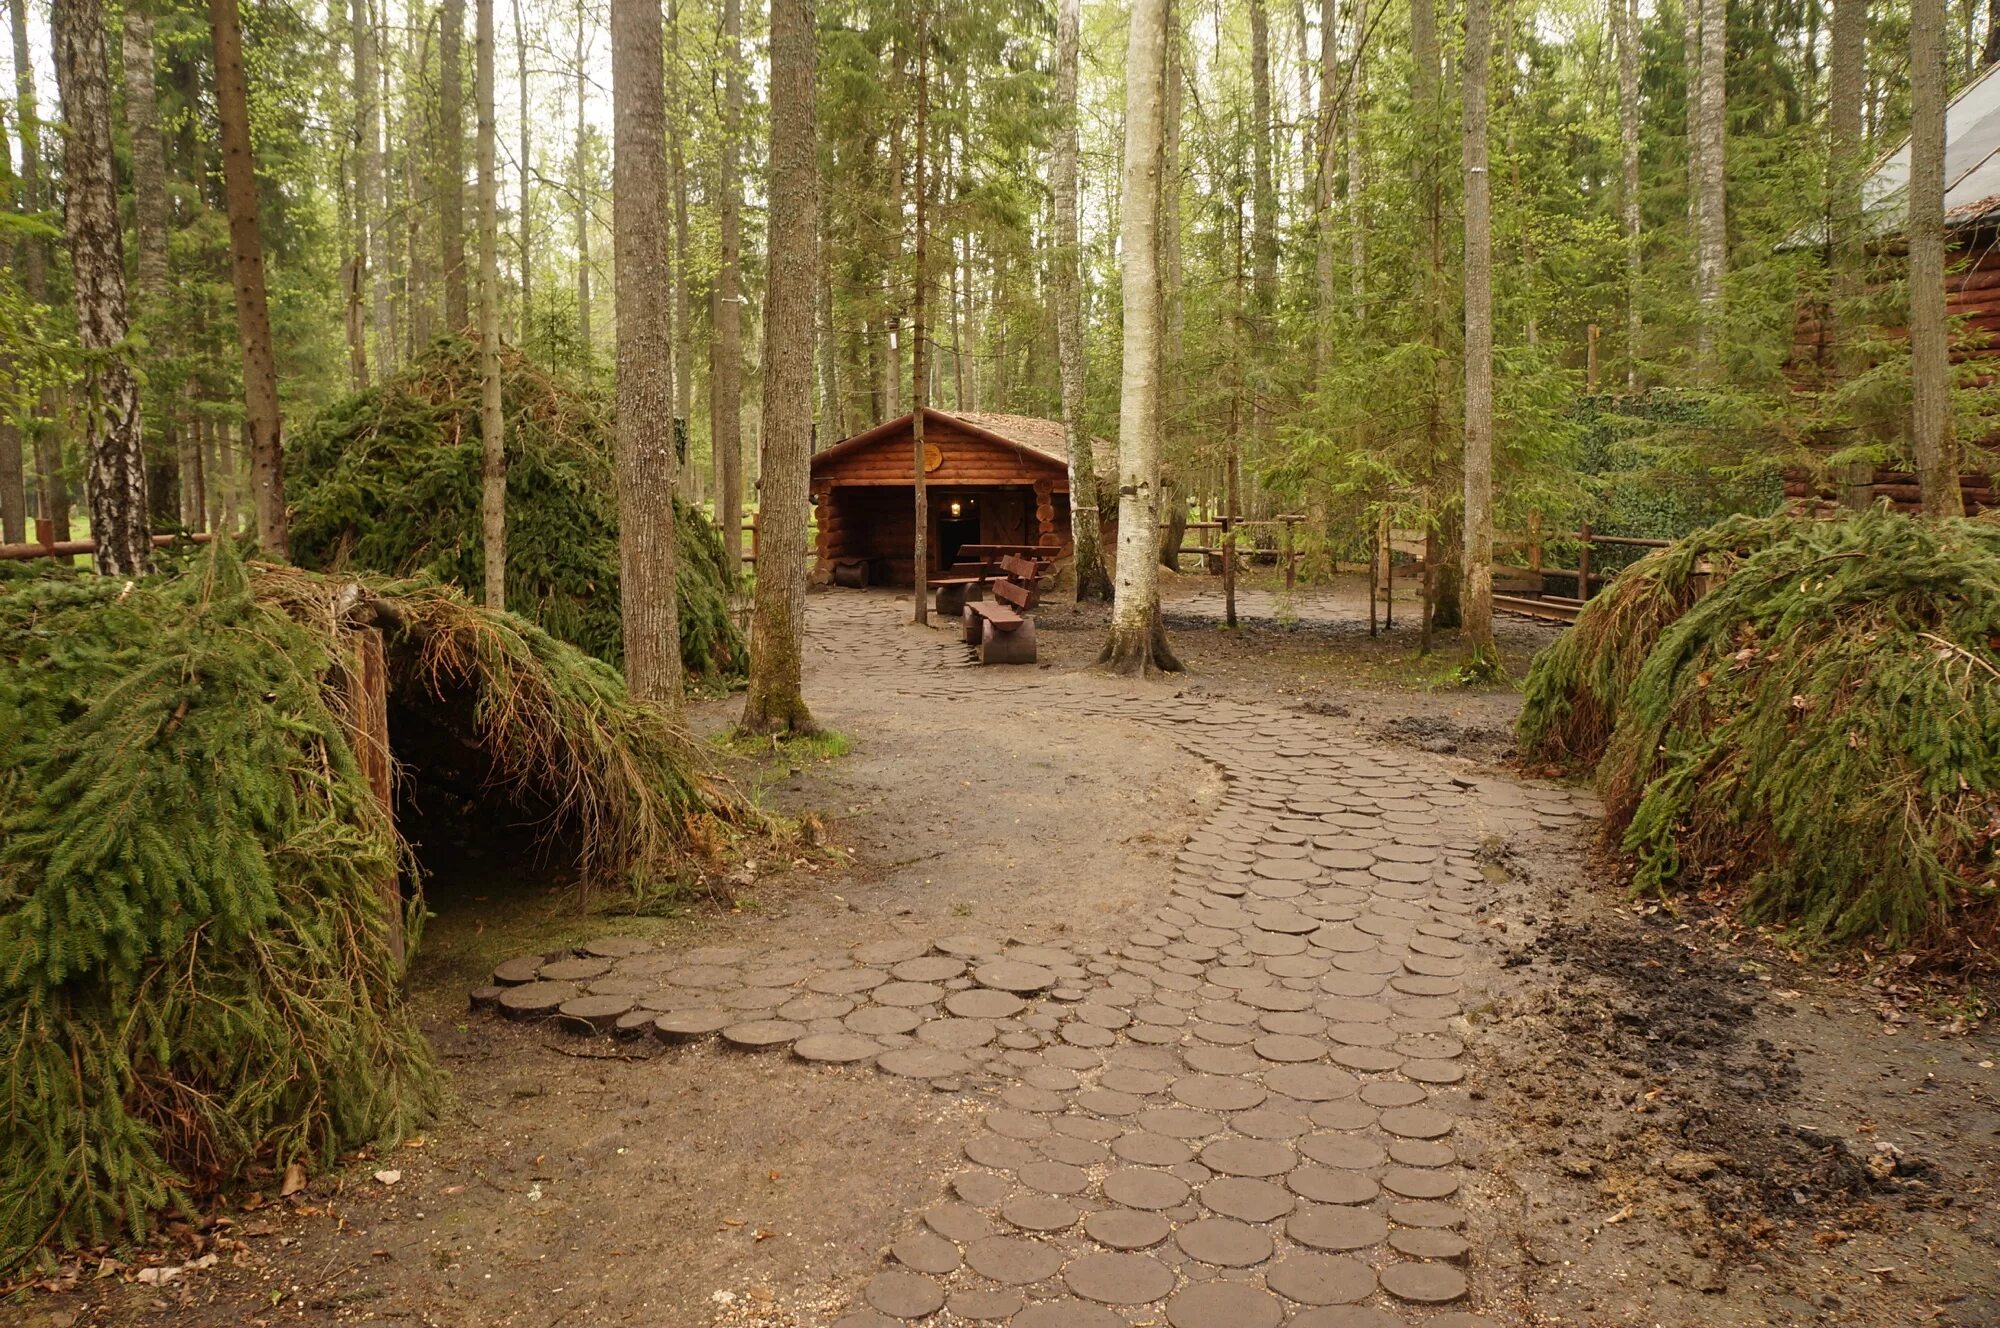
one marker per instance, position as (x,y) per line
(933,457)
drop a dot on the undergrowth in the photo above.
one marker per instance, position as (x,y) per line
(198,885)
(388,480)
(1817,738)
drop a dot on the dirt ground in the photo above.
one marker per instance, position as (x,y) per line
(1676,1125)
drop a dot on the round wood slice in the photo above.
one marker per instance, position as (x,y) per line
(691,1025)
(575,970)
(616,947)
(518,970)
(634,1023)
(591,1015)
(763,1034)
(535,1000)
(485,998)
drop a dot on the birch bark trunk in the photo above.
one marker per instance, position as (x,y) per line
(1137,641)
(1092,583)
(115,480)
(1476,594)
(492,423)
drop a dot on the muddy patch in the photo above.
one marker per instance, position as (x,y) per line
(1680,1131)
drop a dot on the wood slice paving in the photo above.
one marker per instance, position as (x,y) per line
(1239,1113)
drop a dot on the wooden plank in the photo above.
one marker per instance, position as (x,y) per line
(368,735)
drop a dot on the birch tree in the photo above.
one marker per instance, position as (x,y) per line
(725,378)
(1628,145)
(1137,642)
(1476,592)
(645,356)
(115,481)
(1091,580)
(1711,253)
(775,702)
(451,164)
(492,424)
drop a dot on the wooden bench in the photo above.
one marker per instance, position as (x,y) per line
(962,583)
(1001,629)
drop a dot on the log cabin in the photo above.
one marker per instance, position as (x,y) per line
(1972,292)
(988,479)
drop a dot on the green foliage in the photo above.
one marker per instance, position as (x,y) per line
(1578,686)
(388,480)
(1817,734)
(193,868)
(192,881)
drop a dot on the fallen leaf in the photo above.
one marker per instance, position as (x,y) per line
(388,1177)
(295,1180)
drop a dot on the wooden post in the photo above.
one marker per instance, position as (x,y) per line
(1583,563)
(1388,545)
(1535,548)
(755,523)
(1291,568)
(1374,562)
(1590,359)
(368,715)
(1229,570)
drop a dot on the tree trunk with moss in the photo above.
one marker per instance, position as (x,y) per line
(725,377)
(645,423)
(775,702)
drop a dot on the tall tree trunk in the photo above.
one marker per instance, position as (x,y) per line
(775,703)
(683,278)
(451,165)
(1091,580)
(1691,55)
(1137,642)
(13,478)
(1264,196)
(1712,244)
(1357,182)
(52,490)
(580,171)
(1476,592)
(1427,99)
(1846,237)
(892,236)
(1628,143)
(1172,431)
(1328,141)
(149,237)
(920,283)
(353,274)
(246,261)
(1932,437)
(527,241)
(492,424)
(116,481)
(368,198)
(149,163)
(645,357)
(725,407)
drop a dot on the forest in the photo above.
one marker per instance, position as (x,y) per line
(1354,631)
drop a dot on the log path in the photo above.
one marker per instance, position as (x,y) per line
(1239,1115)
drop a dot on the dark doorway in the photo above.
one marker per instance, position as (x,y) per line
(958,524)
